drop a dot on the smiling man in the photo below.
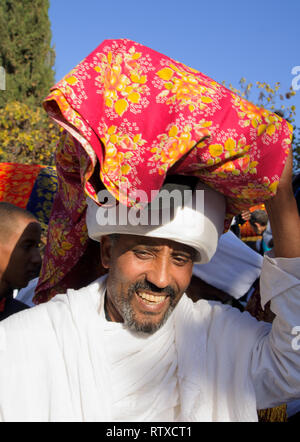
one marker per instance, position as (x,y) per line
(20,259)
(147,277)
(150,264)
(132,346)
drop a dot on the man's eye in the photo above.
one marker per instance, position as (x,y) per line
(30,245)
(26,246)
(181,260)
(143,254)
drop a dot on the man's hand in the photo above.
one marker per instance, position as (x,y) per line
(246,215)
(284,217)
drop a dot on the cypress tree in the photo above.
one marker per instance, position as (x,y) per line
(25,51)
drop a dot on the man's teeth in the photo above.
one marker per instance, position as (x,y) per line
(151,298)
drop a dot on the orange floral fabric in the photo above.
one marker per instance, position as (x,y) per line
(16,182)
(141,115)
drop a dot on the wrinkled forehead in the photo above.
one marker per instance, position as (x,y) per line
(131,241)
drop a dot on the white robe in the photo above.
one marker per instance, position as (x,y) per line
(238,266)
(216,363)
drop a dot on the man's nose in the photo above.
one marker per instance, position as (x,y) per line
(160,273)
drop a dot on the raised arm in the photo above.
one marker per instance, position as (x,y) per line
(276,359)
(284,217)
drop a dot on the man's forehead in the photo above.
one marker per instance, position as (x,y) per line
(23,229)
(153,242)
(28,228)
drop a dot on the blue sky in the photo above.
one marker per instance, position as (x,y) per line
(226,40)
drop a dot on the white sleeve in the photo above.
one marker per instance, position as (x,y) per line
(275,362)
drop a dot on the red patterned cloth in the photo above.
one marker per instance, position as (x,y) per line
(139,115)
(16,182)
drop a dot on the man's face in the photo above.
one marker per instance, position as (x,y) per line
(259,228)
(20,259)
(147,277)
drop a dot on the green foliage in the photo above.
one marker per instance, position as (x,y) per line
(271,98)
(27,135)
(25,51)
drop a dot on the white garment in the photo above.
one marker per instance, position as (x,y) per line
(233,268)
(55,359)
(142,371)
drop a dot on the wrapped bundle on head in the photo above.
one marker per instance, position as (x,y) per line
(133,116)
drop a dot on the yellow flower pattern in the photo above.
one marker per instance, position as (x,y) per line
(181,85)
(122,87)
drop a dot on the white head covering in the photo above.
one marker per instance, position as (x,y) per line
(191,216)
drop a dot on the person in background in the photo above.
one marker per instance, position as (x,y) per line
(258,221)
(20,259)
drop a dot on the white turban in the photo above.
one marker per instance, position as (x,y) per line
(191,216)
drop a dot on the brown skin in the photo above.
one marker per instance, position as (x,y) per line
(159,267)
(259,228)
(20,258)
(246,215)
(284,216)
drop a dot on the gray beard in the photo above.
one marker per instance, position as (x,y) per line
(128,314)
(144,327)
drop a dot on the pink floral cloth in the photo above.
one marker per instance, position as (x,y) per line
(140,115)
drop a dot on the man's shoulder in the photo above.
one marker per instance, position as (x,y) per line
(213,323)
(57,310)
(77,299)
(214,313)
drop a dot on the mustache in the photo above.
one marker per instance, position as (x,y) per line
(146,285)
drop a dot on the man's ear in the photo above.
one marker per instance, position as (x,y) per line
(105,250)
